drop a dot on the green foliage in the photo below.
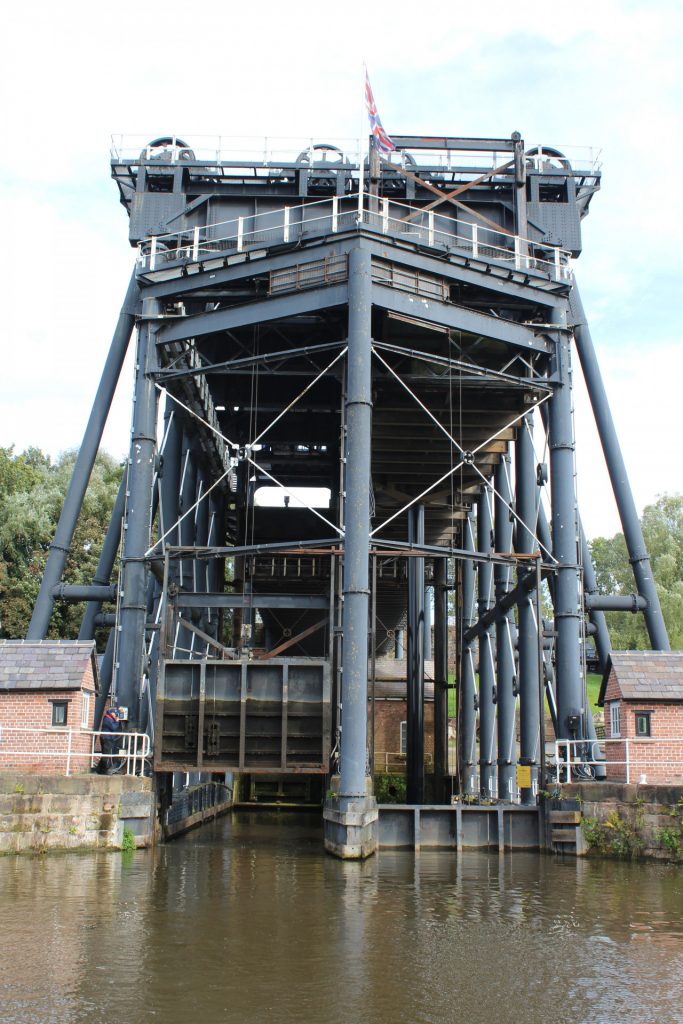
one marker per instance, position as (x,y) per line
(671,837)
(390,789)
(615,835)
(662,525)
(32,491)
(128,841)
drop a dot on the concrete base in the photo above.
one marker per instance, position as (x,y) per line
(350,823)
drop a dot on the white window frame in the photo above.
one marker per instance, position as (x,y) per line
(615,718)
(85,710)
(403,738)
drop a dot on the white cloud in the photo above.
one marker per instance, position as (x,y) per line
(608,74)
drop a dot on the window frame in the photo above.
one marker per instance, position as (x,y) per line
(614,717)
(85,709)
(647,717)
(403,737)
(55,705)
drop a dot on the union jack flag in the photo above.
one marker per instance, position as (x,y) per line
(383,141)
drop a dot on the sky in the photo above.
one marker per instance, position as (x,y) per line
(606,75)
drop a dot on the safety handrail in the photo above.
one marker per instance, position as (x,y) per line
(572,754)
(284,225)
(134,747)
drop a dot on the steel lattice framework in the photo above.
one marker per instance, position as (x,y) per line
(398,350)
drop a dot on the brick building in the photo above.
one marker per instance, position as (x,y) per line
(47,705)
(391,715)
(642,696)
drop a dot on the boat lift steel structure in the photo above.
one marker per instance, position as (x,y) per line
(402,348)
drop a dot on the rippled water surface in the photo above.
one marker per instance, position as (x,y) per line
(247,920)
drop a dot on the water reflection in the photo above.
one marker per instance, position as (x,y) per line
(247,920)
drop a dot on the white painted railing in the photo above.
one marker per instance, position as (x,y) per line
(331,215)
(638,757)
(38,744)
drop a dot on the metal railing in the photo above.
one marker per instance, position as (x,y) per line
(290,224)
(134,747)
(636,755)
(253,150)
(394,763)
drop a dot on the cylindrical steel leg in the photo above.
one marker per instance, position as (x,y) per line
(616,467)
(133,607)
(467,711)
(505,660)
(530,704)
(356,544)
(487,711)
(570,703)
(416,622)
(440,677)
(59,548)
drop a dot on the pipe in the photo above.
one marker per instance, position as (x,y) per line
(467,711)
(353,750)
(616,468)
(415,661)
(615,602)
(487,714)
(429,654)
(603,644)
(73,593)
(440,677)
(530,704)
(505,660)
(85,460)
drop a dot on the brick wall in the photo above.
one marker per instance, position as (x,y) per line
(44,748)
(658,757)
(388,717)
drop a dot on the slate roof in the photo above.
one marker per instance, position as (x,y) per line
(646,675)
(45,664)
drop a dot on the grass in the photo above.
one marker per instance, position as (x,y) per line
(593,681)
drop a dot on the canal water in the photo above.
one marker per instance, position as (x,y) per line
(247,920)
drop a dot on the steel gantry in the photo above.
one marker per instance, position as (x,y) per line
(337,409)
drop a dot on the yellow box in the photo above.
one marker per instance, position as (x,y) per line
(524,776)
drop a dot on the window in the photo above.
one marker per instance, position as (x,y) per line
(404,738)
(59,712)
(85,711)
(643,724)
(614,723)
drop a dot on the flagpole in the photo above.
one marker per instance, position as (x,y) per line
(361,150)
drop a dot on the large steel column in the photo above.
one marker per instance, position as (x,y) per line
(467,710)
(133,607)
(505,659)
(105,563)
(616,468)
(527,643)
(487,710)
(571,711)
(440,678)
(59,548)
(350,818)
(415,661)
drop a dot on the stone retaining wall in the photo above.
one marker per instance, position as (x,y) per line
(645,810)
(79,812)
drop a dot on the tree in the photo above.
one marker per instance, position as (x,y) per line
(32,492)
(662,525)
